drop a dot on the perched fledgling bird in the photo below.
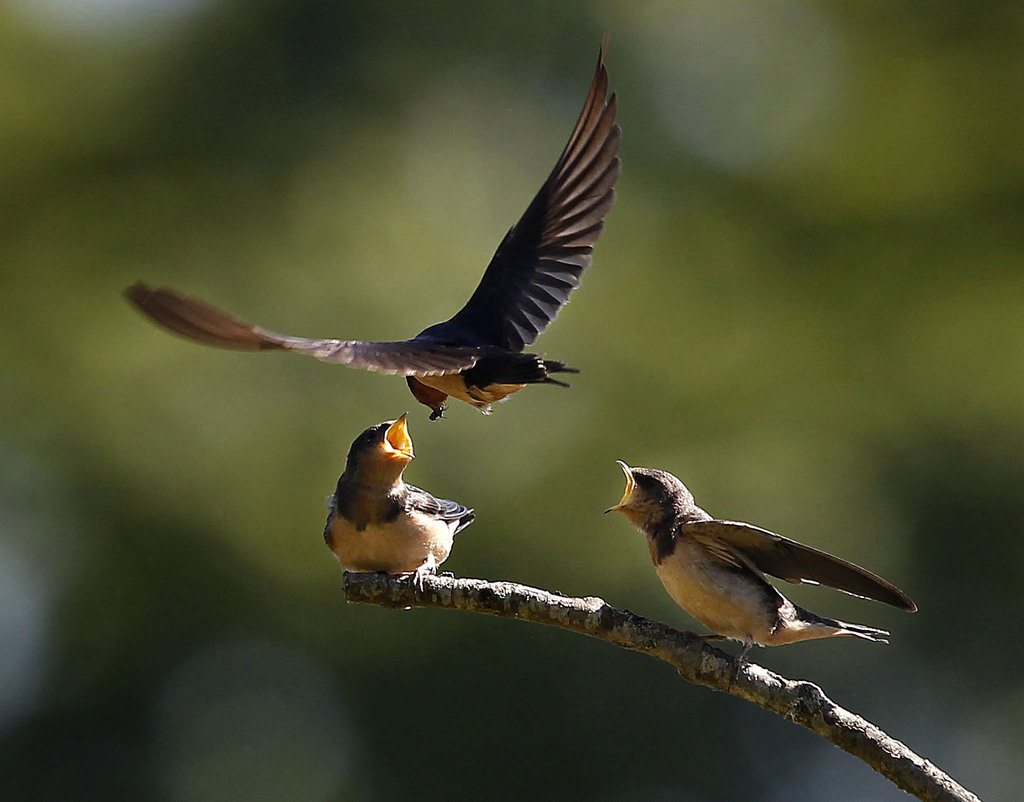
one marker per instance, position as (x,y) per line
(476,356)
(715,570)
(379,523)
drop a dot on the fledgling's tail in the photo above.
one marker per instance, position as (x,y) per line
(861,631)
(840,628)
(802,624)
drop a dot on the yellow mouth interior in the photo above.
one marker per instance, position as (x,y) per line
(397,440)
(630,484)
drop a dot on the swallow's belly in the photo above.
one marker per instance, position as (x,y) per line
(396,547)
(727,602)
(454,384)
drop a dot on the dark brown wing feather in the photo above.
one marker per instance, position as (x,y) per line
(423,502)
(542,258)
(200,321)
(794,562)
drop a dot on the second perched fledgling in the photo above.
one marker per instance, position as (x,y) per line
(379,523)
(715,570)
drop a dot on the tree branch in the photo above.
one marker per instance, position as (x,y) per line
(801,702)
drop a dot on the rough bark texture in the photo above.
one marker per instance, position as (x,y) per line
(801,702)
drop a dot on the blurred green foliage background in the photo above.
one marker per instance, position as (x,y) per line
(808,304)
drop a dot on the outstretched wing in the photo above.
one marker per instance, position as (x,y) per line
(543,256)
(794,562)
(200,321)
(418,500)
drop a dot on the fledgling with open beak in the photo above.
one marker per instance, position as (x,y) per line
(715,570)
(379,523)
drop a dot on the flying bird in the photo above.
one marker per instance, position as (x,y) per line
(715,570)
(379,523)
(477,355)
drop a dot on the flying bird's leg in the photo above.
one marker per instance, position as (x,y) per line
(428,396)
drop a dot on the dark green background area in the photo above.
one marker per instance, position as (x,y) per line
(808,304)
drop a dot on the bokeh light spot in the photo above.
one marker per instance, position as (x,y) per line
(745,85)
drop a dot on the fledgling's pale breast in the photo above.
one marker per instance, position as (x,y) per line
(395,547)
(724,600)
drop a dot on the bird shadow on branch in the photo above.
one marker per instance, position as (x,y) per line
(799,701)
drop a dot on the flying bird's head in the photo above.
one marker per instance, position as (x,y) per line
(379,455)
(654,499)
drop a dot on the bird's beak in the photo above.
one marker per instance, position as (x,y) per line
(397,442)
(630,484)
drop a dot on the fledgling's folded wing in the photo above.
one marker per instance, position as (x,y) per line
(797,563)
(543,256)
(419,500)
(205,323)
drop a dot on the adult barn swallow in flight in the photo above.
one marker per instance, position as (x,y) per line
(476,356)
(715,570)
(379,523)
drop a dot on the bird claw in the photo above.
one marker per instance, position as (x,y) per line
(429,568)
(738,663)
(737,666)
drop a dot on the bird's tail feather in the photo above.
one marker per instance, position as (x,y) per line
(554,366)
(842,627)
(855,630)
(515,368)
(861,631)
